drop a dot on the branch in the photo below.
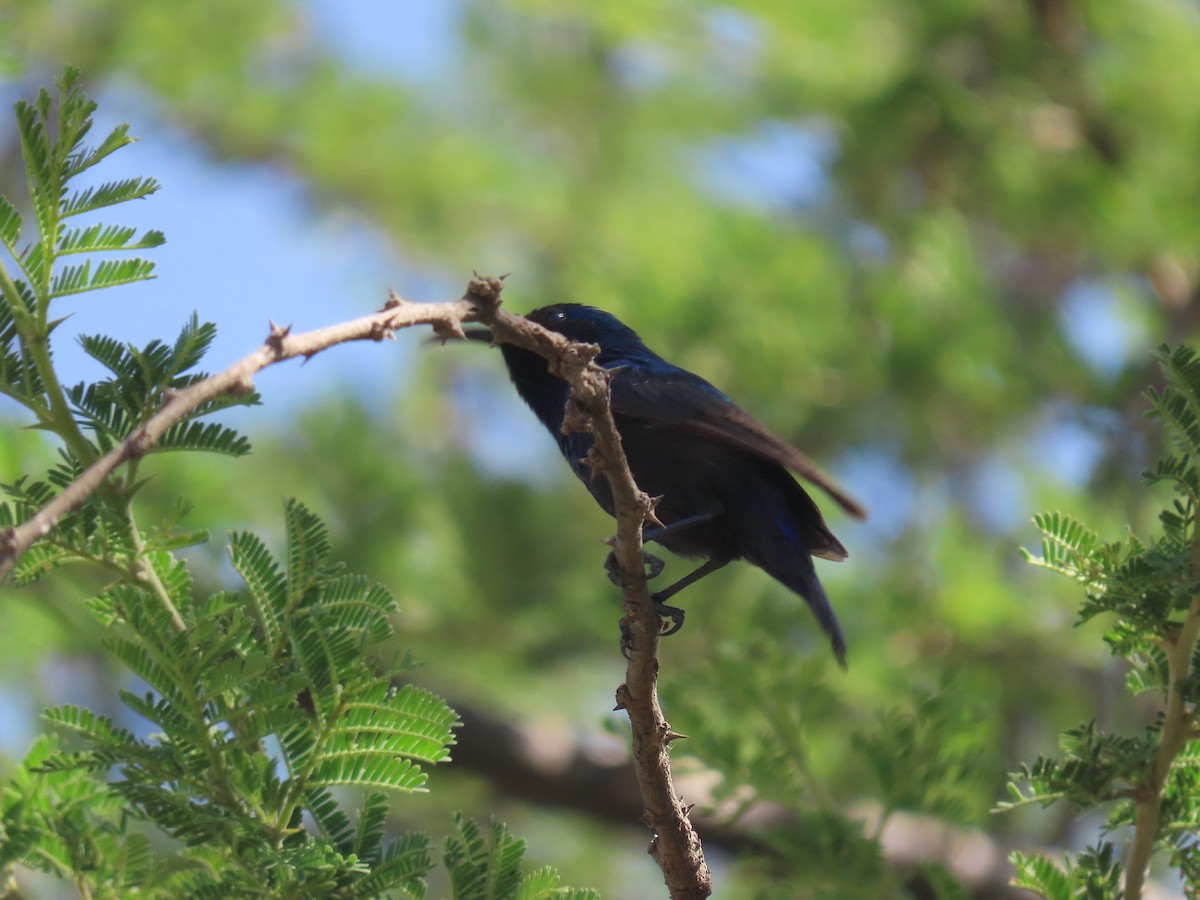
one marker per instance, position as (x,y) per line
(280,345)
(675,847)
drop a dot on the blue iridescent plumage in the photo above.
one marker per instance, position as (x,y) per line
(722,475)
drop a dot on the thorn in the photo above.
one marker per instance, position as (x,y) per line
(393,300)
(276,337)
(168,394)
(673,736)
(622,697)
(594,459)
(241,388)
(687,810)
(651,516)
(451,330)
(380,331)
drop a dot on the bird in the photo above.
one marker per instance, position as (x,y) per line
(722,476)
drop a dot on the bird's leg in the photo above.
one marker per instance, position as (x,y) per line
(674,613)
(655,533)
(613,568)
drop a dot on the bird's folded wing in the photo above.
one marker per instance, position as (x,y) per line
(685,400)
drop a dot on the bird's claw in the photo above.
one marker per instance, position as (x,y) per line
(665,612)
(674,613)
(653,564)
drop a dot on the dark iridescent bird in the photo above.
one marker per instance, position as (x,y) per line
(722,476)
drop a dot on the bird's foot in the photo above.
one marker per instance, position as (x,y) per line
(654,567)
(674,613)
(665,612)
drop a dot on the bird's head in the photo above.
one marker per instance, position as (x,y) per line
(618,342)
(583,323)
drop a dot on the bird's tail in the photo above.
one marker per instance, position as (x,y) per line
(801,577)
(781,553)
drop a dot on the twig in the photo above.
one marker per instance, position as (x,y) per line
(280,345)
(676,846)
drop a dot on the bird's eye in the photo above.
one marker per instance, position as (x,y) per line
(559,316)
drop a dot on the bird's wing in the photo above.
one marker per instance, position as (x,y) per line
(678,397)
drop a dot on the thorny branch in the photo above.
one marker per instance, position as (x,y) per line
(280,345)
(675,847)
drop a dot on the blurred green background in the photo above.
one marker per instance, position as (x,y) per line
(931,242)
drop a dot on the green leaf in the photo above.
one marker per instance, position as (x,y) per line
(1038,873)
(267,585)
(10,225)
(483,868)
(1068,547)
(199,436)
(308,549)
(98,729)
(101,238)
(82,159)
(78,279)
(543,884)
(109,194)
(402,866)
(371,827)
(366,769)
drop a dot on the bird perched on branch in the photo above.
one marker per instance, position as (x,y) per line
(722,475)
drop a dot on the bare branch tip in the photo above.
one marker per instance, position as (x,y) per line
(484,291)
